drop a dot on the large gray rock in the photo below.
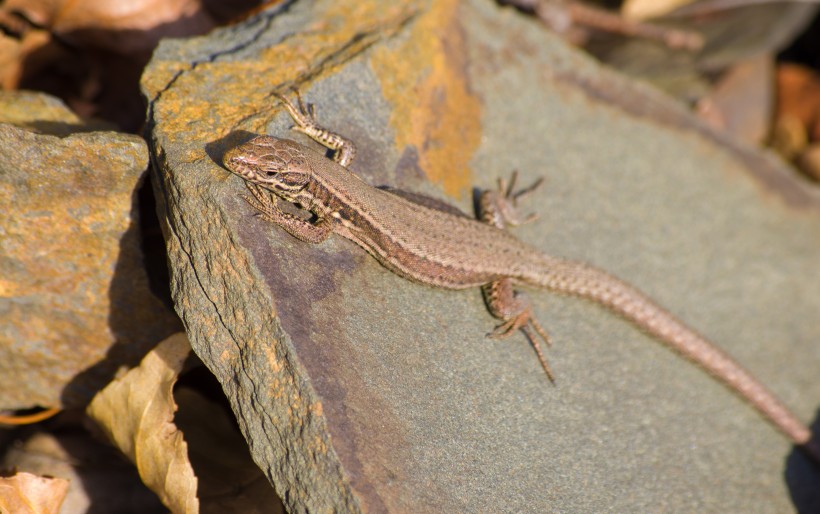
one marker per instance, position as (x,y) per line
(358,390)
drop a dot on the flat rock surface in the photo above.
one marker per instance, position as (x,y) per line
(358,390)
(75,303)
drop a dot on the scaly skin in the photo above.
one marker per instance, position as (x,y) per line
(422,241)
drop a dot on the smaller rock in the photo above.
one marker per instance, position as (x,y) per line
(74,297)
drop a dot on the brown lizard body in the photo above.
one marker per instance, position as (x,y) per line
(431,244)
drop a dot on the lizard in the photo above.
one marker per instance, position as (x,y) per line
(431,242)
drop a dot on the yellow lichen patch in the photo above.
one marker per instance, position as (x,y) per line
(320,445)
(273,362)
(433,109)
(334,39)
(9,288)
(276,389)
(162,73)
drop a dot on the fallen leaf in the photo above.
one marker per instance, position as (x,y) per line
(809,162)
(25,493)
(122,27)
(798,97)
(731,36)
(646,9)
(137,413)
(97,474)
(741,102)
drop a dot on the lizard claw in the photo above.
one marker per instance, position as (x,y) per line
(304,115)
(527,324)
(264,204)
(509,191)
(507,200)
(534,342)
(306,109)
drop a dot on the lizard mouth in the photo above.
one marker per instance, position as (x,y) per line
(236,163)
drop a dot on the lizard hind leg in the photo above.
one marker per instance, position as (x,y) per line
(514,310)
(500,208)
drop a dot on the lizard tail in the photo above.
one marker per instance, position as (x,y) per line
(578,279)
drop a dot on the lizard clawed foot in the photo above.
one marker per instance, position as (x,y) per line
(526,323)
(263,201)
(507,200)
(500,208)
(514,310)
(304,115)
(305,230)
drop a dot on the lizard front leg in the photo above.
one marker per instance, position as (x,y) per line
(304,115)
(263,201)
(499,208)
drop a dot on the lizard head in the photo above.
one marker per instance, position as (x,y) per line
(275,164)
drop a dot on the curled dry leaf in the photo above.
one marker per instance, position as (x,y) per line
(809,162)
(137,412)
(798,97)
(646,9)
(100,480)
(14,53)
(741,103)
(122,27)
(25,493)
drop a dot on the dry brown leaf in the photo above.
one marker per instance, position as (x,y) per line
(798,97)
(98,476)
(25,493)
(741,102)
(809,162)
(647,9)
(123,27)
(14,52)
(137,412)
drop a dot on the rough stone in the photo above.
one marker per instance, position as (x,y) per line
(358,390)
(74,297)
